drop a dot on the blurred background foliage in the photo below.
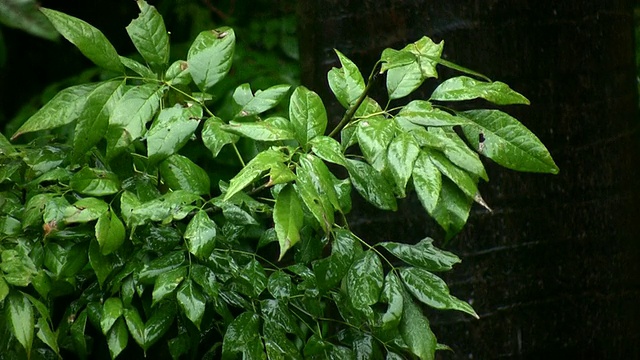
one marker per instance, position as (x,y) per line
(36,63)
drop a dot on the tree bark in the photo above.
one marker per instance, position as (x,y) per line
(553,270)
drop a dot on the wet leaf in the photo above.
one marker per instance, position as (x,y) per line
(210,56)
(180,173)
(259,164)
(271,129)
(288,218)
(85,210)
(178,73)
(163,264)
(318,195)
(307,114)
(280,285)
(214,137)
(371,185)
(346,82)
(171,131)
(423,254)
(453,208)
(374,136)
(95,182)
(20,314)
(47,336)
(401,155)
(243,331)
(416,332)
(117,338)
(149,35)
(465,88)
(112,310)
(191,301)
(328,149)
(101,264)
(110,232)
(421,112)
(201,235)
(166,283)
(262,101)
(392,295)
(427,181)
(364,282)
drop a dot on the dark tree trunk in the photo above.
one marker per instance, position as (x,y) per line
(553,271)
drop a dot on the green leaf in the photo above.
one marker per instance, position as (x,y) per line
(461,178)
(101,264)
(280,285)
(395,58)
(346,82)
(163,264)
(110,232)
(85,210)
(465,88)
(364,282)
(428,54)
(316,190)
(178,73)
(20,314)
(93,119)
(403,80)
(191,301)
(427,180)
(458,152)
(421,112)
(432,291)
(371,185)
(180,173)
(254,277)
(264,161)
(332,269)
(24,15)
(117,338)
(138,68)
(54,210)
(365,347)
(166,283)
(271,129)
(453,208)
(416,332)
(308,115)
(206,278)
(423,254)
(374,135)
(112,310)
(77,334)
(130,115)
(171,131)
(506,141)
(262,101)
(214,137)
(173,205)
(277,317)
(288,218)
(47,336)
(401,155)
(159,323)
(241,333)
(150,36)
(5,146)
(89,40)
(4,288)
(135,325)
(210,56)
(201,235)
(95,182)
(392,295)
(278,346)
(62,109)
(328,149)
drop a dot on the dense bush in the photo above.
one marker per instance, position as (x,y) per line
(122,221)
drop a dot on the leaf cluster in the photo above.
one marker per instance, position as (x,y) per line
(124,226)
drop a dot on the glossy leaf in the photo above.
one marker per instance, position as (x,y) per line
(262,101)
(465,88)
(136,67)
(159,323)
(62,109)
(4,289)
(371,185)
(403,80)
(135,325)
(395,58)
(254,276)
(427,181)
(316,192)
(346,82)
(458,152)
(432,291)
(112,310)
(453,208)
(243,331)
(416,332)
(95,182)
(191,301)
(307,114)
(206,278)
(117,338)
(272,129)
(328,149)
(364,281)
(110,232)
(93,118)
(210,56)
(180,173)
(178,73)
(461,178)
(20,316)
(259,164)
(171,131)
(166,283)
(100,263)
(421,112)
(89,40)
(374,136)
(428,54)
(201,235)
(331,270)
(150,36)
(392,295)
(173,205)
(401,155)
(85,210)
(506,141)
(423,254)
(280,285)
(288,218)
(163,264)
(214,137)
(47,336)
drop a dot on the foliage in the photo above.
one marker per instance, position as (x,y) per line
(117,238)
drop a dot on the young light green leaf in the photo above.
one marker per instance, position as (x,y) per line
(432,291)
(374,135)
(421,112)
(423,254)
(201,235)
(452,208)
(166,283)
(112,310)
(110,232)
(259,164)
(288,218)
(4,288)
(214,137)
(95,182)
(308,115)
(93,119)
(506,141)
(262,101)
(117,338)
(180,173)
(210,56)
(171,131)
(138,68)
(392,295)
(428,53)
(271,129)
(401,155)
(89,40)
(346,82)
(403,80)
(395,58)
(85,210)
(243,331)
(371,185)
(328,149)
(150,36)
(62,109)
(416,332)
(20,316)
(191,301)
(364,282)
(465,88)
